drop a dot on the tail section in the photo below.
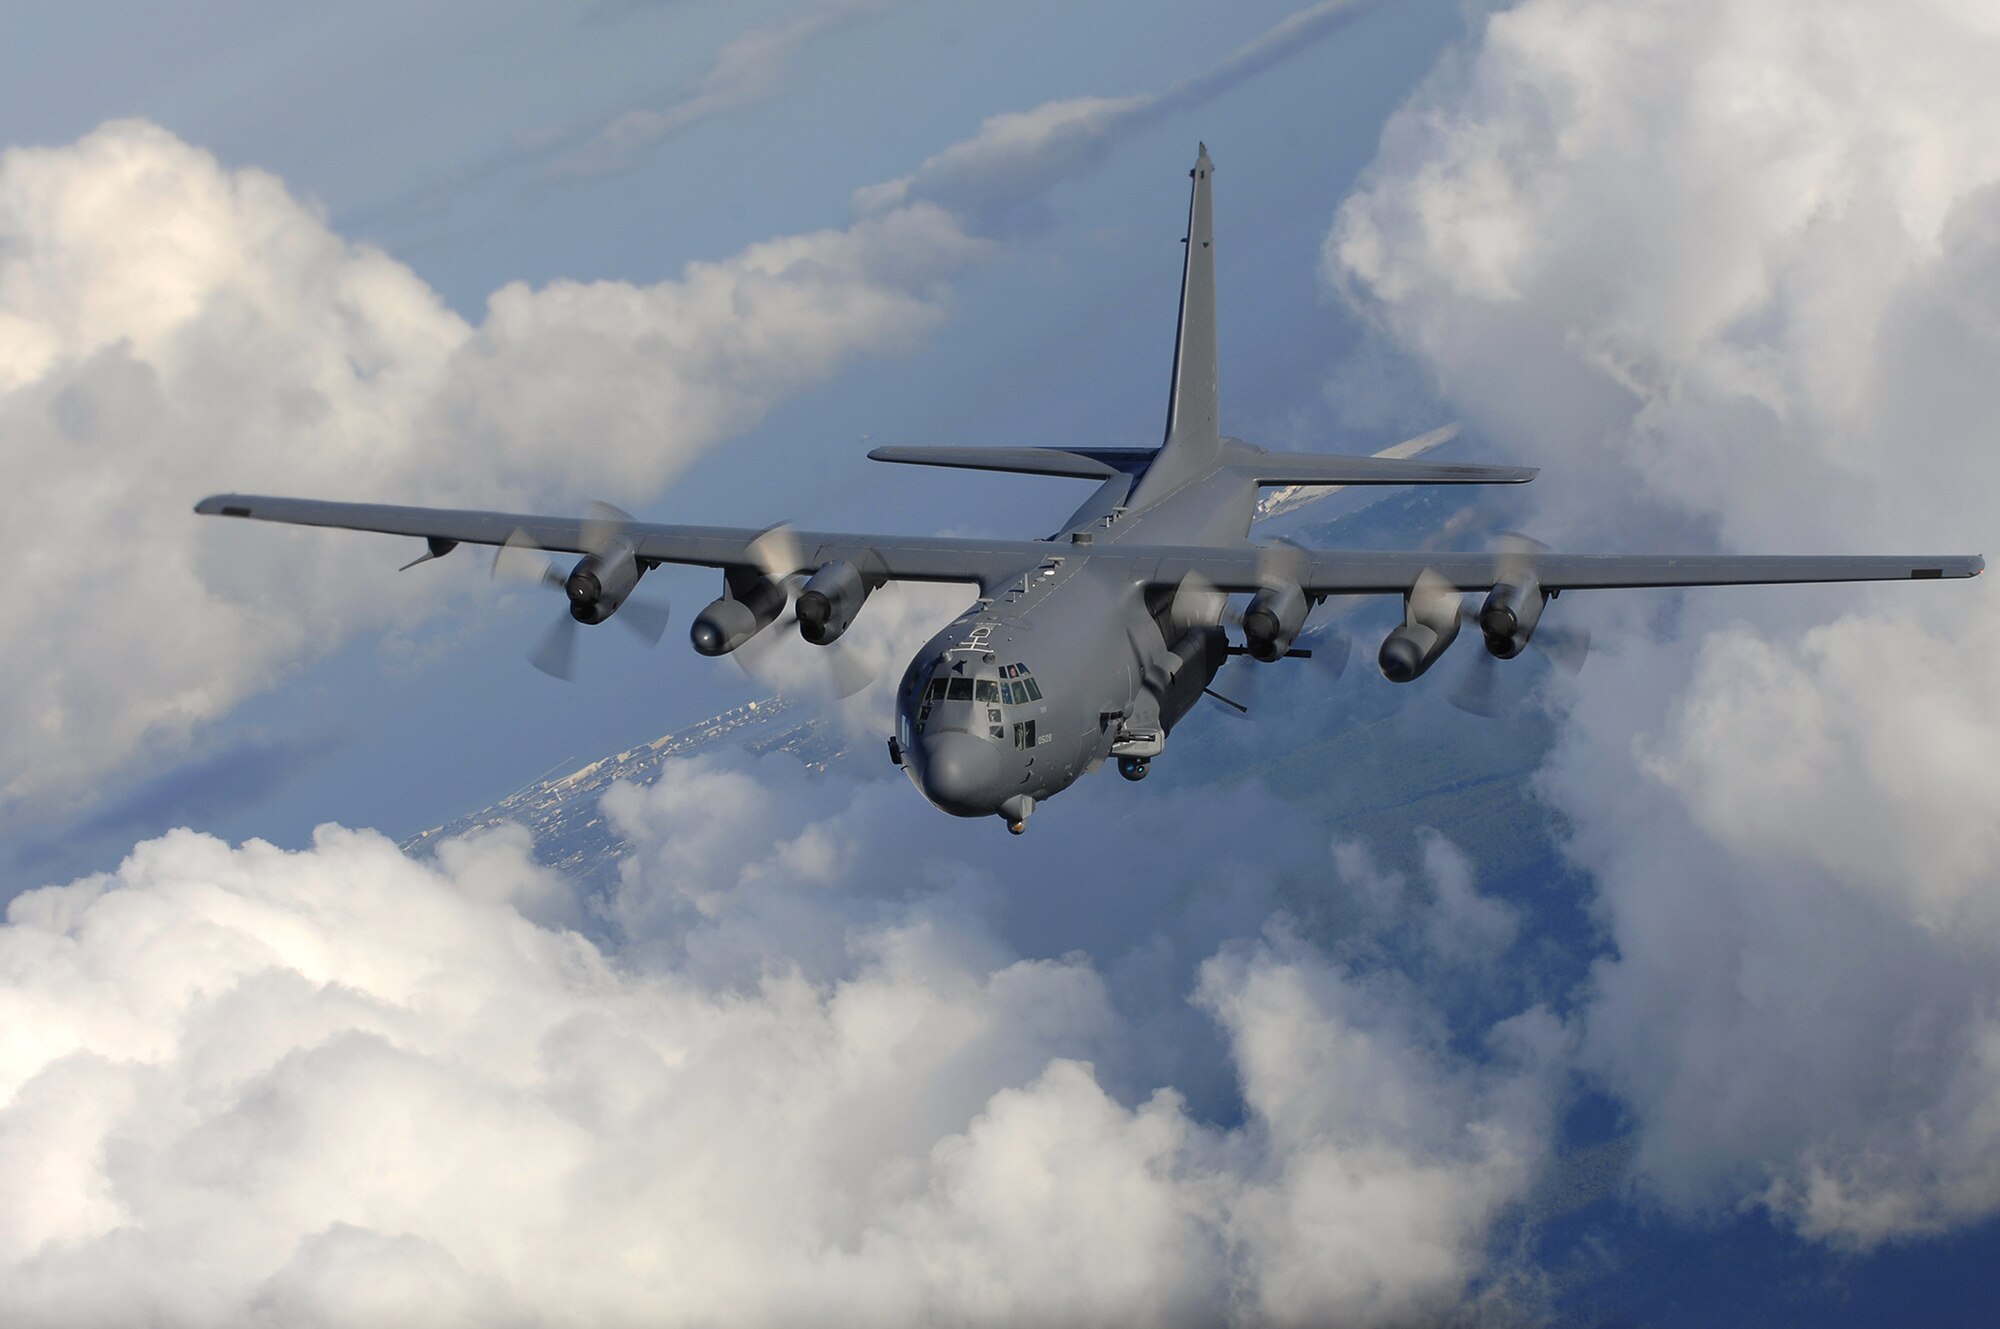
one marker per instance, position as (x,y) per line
(1194,435)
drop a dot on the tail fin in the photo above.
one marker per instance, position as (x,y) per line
(1194,434)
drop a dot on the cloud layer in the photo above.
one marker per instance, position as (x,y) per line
(169,327)
(803,1074)
(1733,272)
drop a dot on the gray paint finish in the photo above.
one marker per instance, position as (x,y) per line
(1092,644)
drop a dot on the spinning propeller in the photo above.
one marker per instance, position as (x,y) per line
(1509,623)
(598,587)
(838,664)
(1199,602)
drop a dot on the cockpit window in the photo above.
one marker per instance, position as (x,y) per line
(988,690)
(1021,688)
(937,690)
(960,689)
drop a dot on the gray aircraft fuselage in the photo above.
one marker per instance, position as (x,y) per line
(1104,663)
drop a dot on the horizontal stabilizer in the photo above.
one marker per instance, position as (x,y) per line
(1312,468)
(1290,498)
(1078,463)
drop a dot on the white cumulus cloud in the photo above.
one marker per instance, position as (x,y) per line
(1731,271)
(170,327)
(243,1085)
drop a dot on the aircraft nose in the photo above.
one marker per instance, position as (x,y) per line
(961,774)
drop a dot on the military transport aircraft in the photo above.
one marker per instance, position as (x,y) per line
(1094,642)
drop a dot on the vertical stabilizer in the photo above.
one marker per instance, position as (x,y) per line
(1194,434)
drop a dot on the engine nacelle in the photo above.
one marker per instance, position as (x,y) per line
(750,604)
(1430,623)
(1273,620)
(828,604)
(600,582)
(1507,619)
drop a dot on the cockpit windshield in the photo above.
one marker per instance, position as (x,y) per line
(984,685)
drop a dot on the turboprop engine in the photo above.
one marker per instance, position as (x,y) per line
(831,599)
(1507,619)
(600,582)
(750,603)
(1273,620)
(1430,622)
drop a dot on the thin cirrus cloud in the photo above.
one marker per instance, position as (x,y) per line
(1013,158)
(1732,272)
(1016,157)
(748,71)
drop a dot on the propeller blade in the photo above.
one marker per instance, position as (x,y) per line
(786,663)
(775,552)
(604,524)
(1567,648)
(521,559)
(556,653)
(1197,600)
(1243,677)
(645,619)
(756,657)
(1475,693)
(1518,553)
(1284,559)
(1330,649)
(847,671)
(1332,657)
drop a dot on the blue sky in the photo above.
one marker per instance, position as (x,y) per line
(1725,271)
(1062,337)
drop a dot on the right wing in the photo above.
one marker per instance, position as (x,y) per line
(899,557)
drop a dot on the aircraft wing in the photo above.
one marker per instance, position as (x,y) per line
(1344,572)
(898,557)
(989,563)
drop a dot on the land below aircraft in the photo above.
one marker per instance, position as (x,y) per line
(1090,645)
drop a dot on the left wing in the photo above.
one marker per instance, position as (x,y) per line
(900,557)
